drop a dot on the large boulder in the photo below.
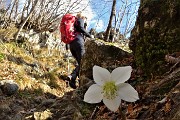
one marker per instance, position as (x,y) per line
(156,33)
(106,55)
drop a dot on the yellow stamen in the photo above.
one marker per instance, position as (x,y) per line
(110,90)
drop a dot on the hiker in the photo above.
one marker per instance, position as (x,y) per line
(77,48)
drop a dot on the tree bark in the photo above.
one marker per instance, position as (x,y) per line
(110,20)
(23,11)
(14,2)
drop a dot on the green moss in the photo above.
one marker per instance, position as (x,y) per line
(86,109)
(38,91)
(2,56)
(52,79)
(153,48)
(28,94)
(153,43)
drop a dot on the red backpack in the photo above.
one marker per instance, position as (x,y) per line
(67,29)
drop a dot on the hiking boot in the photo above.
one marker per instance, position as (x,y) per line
(74,84)
(65,77)
(69,78)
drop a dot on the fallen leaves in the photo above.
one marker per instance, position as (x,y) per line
(133,111)
(167,106)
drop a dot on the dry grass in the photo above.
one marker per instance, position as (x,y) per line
(8,33)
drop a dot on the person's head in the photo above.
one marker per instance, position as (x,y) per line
(81,15)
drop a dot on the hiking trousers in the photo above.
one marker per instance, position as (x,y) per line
(77,50)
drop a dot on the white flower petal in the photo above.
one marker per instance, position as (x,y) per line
(100,75)
(113,105)
(93,94)
(121,74)
(127,92)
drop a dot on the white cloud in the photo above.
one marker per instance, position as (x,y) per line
(89,13)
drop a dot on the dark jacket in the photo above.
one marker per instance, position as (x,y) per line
(79,26)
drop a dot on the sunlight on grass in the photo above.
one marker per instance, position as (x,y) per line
(17,67)
(8,33)
(121,45)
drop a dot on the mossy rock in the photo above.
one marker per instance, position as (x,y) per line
(156,34)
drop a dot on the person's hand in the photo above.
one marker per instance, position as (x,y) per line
(92,36)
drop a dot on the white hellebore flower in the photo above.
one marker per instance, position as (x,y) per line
(110,87)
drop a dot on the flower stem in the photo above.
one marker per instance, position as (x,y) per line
(123,116)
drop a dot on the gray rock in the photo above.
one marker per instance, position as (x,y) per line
(48,102)
(18,116)
(9,87)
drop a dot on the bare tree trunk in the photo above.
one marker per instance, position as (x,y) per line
(8,7)
(22,25)
(132,16)
(12,9)
(113,11)
(16,10)
(23,11)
